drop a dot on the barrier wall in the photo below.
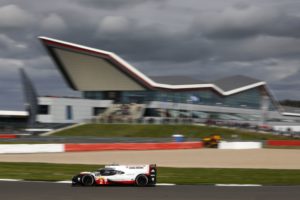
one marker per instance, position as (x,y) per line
(283,143)
(8,136)
(31,148)
(53,148)
(132,146)
(240,145)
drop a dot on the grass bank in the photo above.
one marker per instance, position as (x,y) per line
(162,131)
(57,172)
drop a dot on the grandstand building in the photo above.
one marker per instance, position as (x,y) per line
(126,91)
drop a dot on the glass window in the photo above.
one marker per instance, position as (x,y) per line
(93,95)
(249,99)
(108,172)
(97,110)
(69,113)
(43,109)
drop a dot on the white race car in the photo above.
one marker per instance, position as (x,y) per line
(140,175)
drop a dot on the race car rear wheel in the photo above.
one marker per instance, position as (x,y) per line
(87,180)
(141,180)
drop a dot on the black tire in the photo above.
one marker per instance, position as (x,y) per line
(141,180)
(87,180)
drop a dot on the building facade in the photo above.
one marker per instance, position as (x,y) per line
(69,110)
(106,80)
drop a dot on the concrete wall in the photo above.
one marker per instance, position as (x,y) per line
(82,109)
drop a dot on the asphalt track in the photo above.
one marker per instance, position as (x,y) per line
(50,191)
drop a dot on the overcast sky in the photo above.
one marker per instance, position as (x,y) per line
(208,39)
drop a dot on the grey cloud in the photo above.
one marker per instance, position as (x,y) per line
(208,40)
(114,4)
(257,48)
(53,23)
(11,93)
(286,26)
(287,88)
(248,21)
(12,16)
(10,47)
(287,82)
(144,43)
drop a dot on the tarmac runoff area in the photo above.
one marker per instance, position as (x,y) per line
(198,158)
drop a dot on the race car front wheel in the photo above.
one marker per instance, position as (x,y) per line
(141,180)
(87,180)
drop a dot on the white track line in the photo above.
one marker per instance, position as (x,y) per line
(165,184)
(11,180)
(238,185)
(69,182)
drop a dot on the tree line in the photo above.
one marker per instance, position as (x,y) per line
(288,102)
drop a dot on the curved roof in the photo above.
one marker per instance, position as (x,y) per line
(89,69)
(233,82)
(176,80)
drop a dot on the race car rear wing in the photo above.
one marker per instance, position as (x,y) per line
(152,174)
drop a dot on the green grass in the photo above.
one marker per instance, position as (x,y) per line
(42,171)
(162,131)
(229,176)
(56,172)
